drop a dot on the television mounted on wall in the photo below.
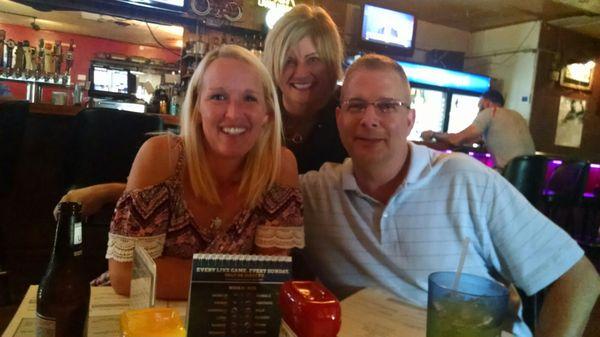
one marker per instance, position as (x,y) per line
(387,31)
(174,5)
(107,81)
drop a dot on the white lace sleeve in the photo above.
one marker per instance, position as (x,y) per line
(120,248)
(283,237)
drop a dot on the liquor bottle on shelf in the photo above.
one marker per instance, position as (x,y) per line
(174,105)
(63,295)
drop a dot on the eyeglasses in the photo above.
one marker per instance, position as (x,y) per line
(383,106)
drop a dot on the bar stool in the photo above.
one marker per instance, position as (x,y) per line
(589,238)
(526,174)
(563,195)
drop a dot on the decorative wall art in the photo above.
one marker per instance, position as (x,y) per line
(578,75)
(569,125)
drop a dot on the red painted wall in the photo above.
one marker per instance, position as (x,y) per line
(85,49)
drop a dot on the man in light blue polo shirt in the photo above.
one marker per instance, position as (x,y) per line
(395,212)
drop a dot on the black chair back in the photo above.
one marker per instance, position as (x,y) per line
(13,116)
(567,183)
(104,144)
(527,174)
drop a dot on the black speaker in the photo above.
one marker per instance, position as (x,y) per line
(445,59)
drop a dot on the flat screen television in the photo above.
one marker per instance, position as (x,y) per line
(175,5)
(109,81)
(387,31)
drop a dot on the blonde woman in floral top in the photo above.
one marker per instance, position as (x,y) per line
(226,185)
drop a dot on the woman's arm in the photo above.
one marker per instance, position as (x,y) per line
(153,164)
(93,198)
(172,277)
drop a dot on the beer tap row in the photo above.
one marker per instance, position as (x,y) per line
(49,63)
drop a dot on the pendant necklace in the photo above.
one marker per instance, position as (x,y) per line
(215,223)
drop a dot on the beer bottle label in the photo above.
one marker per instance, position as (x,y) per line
(44,326)
(77,233)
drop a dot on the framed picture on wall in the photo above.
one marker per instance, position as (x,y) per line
(570,119)
(578,75)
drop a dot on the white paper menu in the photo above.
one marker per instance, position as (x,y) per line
(374,312)
(143,280)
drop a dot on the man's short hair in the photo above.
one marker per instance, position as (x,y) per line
(494,96)
(376,62)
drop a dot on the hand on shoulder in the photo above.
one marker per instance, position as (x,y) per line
(288,173)
(155,162)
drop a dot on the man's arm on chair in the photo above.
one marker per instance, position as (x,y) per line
(569,301)
(92,198)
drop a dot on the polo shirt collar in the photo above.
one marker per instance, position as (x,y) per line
(421,159)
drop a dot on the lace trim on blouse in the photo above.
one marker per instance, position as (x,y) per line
(120,248)
(283,237)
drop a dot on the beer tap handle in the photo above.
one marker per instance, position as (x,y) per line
(10,44)
(48,65)
(69,58)
(2,37)
(27,55)
(40,59)
(57,56)
(19,58)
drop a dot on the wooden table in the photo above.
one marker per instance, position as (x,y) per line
(105,309)
(367,313)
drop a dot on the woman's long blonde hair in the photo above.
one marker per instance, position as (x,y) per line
(263,161)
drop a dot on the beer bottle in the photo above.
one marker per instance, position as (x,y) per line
(64,293)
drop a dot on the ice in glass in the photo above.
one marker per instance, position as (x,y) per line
(476,308)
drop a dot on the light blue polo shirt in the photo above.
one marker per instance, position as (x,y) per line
(353,241)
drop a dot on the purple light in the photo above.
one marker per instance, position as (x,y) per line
(588,195)
(487,155)
(448,151)
(471,154)
(557,162)
(595,165)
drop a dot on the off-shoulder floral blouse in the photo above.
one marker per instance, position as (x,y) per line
(157,218)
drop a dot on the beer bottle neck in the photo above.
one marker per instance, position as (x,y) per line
(69,233)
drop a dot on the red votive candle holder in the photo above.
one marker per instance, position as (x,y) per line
(308,309)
